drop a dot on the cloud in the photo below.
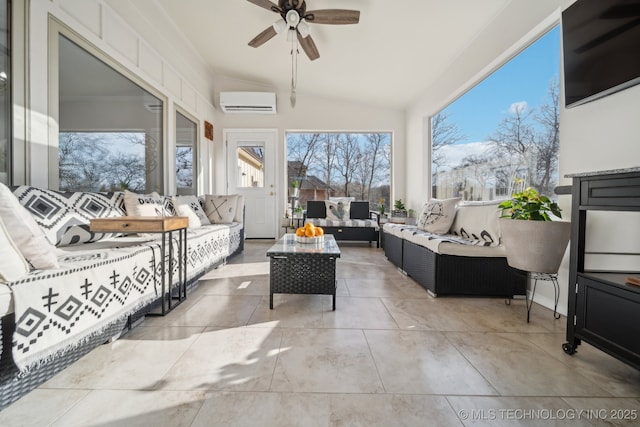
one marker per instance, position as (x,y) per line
(454,154)
(518,107)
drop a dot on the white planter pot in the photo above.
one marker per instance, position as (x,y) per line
(294,191)
(535,246)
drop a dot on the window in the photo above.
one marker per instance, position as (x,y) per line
(110,128)
(5,92)
(332,164)
(186,143)
(503,134)
(250,165)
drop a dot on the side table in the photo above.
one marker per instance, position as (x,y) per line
(166,226)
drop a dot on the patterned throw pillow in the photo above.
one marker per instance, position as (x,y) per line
(338,210)
(13,266)
(220,209)
(64,216)
(189,206)
(438,215)
(145,204)
(478,221)
(25,232)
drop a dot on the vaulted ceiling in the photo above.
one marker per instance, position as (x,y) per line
(396,52)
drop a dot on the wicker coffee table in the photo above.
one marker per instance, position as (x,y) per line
(299,268)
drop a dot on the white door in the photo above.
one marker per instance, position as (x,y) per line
(251,172)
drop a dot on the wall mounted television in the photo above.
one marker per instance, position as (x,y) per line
(601,46)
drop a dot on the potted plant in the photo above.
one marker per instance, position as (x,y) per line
(533,240)
(294,190)
(398,213)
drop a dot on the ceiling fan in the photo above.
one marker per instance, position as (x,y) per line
(295,19)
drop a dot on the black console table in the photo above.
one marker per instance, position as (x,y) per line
(603,311)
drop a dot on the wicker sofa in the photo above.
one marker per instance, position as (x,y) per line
(361,225)
(467,261)
(99,289)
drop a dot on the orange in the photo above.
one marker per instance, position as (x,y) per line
(319,231)
(300,232)
(309,232)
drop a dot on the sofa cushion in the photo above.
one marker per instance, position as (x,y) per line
(323,222)
(220,209)
(12,264)
(437,215)
(338,211)
(25,232)
(189,206)
(396,229)
(449,244)
(478,221)
(64,216)
(151,204)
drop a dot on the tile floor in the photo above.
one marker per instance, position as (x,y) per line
(390,355)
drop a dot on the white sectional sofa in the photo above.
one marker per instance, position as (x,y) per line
(98,283)
(465,257)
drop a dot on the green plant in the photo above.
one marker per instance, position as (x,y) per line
(411,213)
(295,183)
(529,205)
(381,202)
(399,205)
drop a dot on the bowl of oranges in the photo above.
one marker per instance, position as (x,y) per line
(309,234)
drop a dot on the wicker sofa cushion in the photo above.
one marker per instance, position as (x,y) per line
(323,222)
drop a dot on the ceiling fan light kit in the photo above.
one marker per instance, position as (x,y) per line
(294,16)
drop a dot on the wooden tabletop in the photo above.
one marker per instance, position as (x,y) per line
(138,224)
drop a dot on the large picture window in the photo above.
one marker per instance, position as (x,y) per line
(110,127)
(503,134)
(332,164)
(186,143)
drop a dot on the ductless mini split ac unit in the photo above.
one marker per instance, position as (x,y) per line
(248,102)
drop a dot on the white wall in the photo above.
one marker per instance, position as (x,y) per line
(313,114)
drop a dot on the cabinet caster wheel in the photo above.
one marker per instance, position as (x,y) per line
(568,348)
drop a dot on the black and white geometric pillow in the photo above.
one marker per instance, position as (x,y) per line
(190,207)
(220,209)
(64,216)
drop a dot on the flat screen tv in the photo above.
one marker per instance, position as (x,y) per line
(601,45)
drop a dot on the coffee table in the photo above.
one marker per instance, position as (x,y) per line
(300,268)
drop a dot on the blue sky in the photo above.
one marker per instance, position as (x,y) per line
(524,78)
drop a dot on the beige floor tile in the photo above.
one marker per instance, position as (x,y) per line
(289,311)
(380,288)
(607,411)
(40,407)
(136,361)
(511,411)
(427,314)
(321,360)
(423,362)
(361,313)
(241,285)
(217,311)
(264,409)
(391,410)
(227,359)
(507,361)
(612,375)
(134,408)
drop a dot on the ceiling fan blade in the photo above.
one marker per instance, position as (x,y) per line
(333,16)
(266,4)
(309,46)
(263,37)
